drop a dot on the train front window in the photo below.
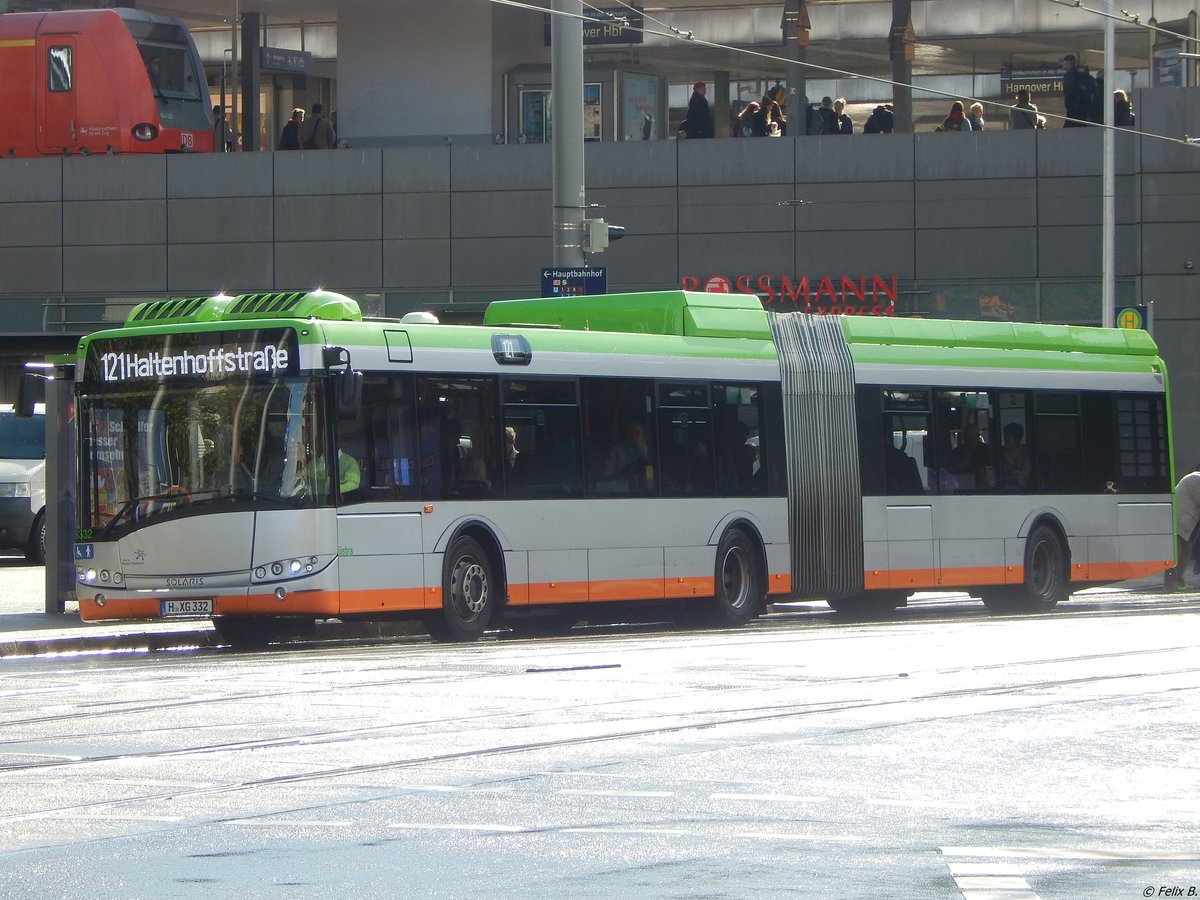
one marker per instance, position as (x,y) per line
(170,70)
(182,450)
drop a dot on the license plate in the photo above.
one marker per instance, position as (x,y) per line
(186,607)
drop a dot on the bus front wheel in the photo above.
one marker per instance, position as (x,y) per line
(740,586)
(468,592)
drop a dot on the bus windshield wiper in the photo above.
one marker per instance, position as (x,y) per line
(130,505)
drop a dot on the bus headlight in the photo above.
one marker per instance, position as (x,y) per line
(145,132)
(14,489)
(287,569)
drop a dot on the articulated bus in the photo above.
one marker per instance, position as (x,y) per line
(270,460)
(92,81)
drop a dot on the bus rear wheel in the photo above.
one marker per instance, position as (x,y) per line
(468,592)
(740,586)
(1046,576)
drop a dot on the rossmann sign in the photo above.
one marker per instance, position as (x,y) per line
(844,295)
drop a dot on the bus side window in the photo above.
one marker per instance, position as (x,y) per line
(687,463)
(383,441)
(458,441)
(737,435)
(903,443)
(1014,468)
(622,457)
(1059,447)
(543,458)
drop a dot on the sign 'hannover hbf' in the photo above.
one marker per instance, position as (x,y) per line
(607,26)
(1035,79)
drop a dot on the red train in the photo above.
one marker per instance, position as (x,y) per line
(100,81)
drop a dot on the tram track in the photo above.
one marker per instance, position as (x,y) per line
(699,721)
(462,676)
(600,644)
(1036,684)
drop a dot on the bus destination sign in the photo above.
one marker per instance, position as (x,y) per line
(209,356)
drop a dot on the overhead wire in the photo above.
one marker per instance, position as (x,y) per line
(670,32)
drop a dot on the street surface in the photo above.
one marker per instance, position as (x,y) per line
(945,753)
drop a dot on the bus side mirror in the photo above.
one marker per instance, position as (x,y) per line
(347,384)
(31,390)
(347,387)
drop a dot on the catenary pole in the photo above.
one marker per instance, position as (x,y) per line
(1108,230)
(566,105)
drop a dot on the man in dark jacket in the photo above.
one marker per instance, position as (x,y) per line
(1079,93)
(881,120)
(698,123)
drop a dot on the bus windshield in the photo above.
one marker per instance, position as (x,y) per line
(157,450)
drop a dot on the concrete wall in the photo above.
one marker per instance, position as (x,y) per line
(81,239)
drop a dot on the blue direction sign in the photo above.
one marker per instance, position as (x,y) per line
(574,282)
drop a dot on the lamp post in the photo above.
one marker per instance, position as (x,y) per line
(566,99)
(1108,286)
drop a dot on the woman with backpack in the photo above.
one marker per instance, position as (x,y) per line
(957,120)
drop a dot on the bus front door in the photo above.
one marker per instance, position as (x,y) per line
(380,564)
(56,127)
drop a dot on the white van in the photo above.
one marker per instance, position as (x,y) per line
(23,481)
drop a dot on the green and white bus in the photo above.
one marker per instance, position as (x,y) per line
(270,460)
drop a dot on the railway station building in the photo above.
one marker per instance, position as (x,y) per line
(439,195)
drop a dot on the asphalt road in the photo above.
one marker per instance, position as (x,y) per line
(945,753)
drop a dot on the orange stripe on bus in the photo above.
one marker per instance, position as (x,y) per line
(5,45)
(680,588)
(558,592)
(627,589)
(91,611)
(332,603)
(386,599)
(878,579)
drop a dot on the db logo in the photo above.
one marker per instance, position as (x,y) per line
(718,284)
(187,140)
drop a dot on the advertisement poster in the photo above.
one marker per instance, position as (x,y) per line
(593,113)
(639,107)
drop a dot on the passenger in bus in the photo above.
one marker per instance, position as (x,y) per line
(510,447)
(630,459)
(475,479)
(700,473)
(903,475)
(1014,458)
(970,460)
(552,468)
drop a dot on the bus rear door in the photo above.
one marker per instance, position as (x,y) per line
(57,96)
